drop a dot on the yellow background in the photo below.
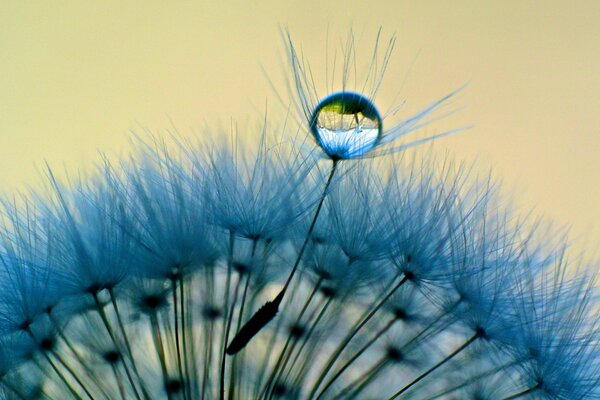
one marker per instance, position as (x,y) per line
(76,76)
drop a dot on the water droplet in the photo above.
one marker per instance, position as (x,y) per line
(346,125)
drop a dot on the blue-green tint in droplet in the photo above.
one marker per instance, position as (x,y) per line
(346,125)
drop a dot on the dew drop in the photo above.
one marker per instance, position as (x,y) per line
(346,125)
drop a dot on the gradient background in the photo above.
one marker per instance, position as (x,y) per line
(76,76)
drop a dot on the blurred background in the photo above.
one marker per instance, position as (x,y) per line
(76,77)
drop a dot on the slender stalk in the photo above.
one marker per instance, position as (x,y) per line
(236,374)
(185,315)
(55,368)
(160,351)
(62,377)
(353,332)
(274,335)
(208,316)
(224,336)
(524,392)
(352,390)
(113,338)
(113,300)
(207,357)
(306,364)
(427,330)
(71,372)
(168,337)
(421,334)
(227,330)
(268,311)
(282,360)
(436,366)
(290,336)
(90,372)
(309,300)
(491,371)
(246,286)
(312,226)
(306,338)
(275,370)
(177,338)
(364,348)
(118,380)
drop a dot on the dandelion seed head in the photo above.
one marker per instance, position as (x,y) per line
(345,122)
(394,279)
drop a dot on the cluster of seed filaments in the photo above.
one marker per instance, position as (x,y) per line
(437,304)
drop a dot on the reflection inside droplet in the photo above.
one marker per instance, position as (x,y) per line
(346,125)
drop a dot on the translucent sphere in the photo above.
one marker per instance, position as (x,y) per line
(346,125)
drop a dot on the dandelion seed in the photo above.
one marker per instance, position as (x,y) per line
(345,125)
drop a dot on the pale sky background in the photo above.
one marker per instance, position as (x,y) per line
(76,76)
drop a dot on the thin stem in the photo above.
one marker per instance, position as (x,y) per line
(208,314)
(381,332)
(491,371)
(357,355)
(427,329)
(274,333)
(184,338)
(91,373)
(275,370)
(524,392)
(111,333)
(306,337)
(283,360)
(113,300)
(224,336)
(290,337)
(312,226)
(353,332)
(71,372)
(438,365)
(268,311)
(118,380)
(207,357)
(177,339)
(306,364)
(55,368)
(62,377)
(246,286)
(227,330)
(236,374)
(364,380)
(160,351)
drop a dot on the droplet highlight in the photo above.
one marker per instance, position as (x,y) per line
(346,125)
